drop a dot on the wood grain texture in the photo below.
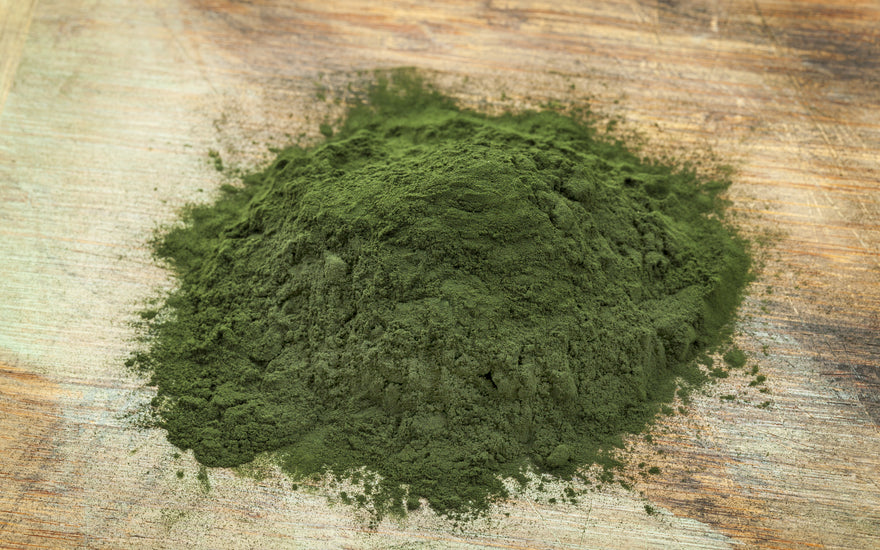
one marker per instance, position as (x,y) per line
(105,133)
(15,20)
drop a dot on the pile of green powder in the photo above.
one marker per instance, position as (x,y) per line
(440,297)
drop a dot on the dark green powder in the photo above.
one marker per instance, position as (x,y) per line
(441,297)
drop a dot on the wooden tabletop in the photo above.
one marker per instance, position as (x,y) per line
(108,109)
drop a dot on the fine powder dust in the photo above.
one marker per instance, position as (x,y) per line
(440,297)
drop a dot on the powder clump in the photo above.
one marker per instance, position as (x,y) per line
(441,297)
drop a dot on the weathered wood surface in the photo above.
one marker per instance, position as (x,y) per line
(105,131)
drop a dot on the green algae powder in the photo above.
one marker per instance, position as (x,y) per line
(438,298)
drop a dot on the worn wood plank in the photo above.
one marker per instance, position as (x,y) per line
(105,132)
(15,20)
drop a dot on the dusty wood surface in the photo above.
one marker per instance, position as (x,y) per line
(105,132)
(15,18)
